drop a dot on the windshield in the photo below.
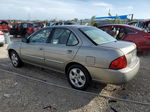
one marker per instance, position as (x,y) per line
(138,28)
(36,25)
(96,35)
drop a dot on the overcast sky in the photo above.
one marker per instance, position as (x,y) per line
(69,9)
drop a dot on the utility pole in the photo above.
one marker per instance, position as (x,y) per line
(131,16)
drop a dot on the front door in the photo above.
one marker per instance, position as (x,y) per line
(33,51)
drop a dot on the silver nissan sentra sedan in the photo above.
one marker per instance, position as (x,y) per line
(83,53)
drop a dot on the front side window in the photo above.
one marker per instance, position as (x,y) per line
(130,31)
(96,35)
(60,36)
(122,33)
(41,36)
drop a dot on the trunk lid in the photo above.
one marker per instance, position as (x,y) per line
(127,48)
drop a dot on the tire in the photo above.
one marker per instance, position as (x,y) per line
(78,77)
(15,59)
(1,45)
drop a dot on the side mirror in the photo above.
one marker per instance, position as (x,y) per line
(25,40)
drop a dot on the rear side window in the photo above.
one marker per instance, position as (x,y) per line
(96,35)
(64,36)
(60,36)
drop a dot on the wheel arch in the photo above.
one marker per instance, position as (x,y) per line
(76,63)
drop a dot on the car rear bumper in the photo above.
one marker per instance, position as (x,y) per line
(114,76)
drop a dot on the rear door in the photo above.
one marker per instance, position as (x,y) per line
(131,35)
(62,48)
(33,51)
(144,41)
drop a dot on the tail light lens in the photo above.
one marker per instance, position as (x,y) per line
(1,34)
(118,63)
(147,36)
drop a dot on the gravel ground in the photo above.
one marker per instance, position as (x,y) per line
(18,94)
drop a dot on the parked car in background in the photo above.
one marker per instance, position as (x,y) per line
(2,38)
(136,23)
(144,24)
(50,24)
(25,29)
(20,29)
(129,33)
(33,28)
(83,53)
(64,23)
(4,26)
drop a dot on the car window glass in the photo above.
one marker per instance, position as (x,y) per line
(104,29)
(41,36)
(114,31)
(121,34)
(130,31)
(25,25)
(72,40)
(60,36)
(96,35)
(30,25)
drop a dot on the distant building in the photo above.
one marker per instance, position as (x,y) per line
(122,19)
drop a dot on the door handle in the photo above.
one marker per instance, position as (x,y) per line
(41,49)
(69,51)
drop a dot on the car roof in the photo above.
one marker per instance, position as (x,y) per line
(124,25)
(69,26)
(147,20)
(3,21)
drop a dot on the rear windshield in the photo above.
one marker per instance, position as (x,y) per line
(96,35)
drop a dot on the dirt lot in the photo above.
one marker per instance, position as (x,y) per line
(19,94)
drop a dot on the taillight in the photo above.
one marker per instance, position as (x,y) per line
(147,36)
(118,63)
(1,34)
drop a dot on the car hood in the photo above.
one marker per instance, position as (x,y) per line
(125,47)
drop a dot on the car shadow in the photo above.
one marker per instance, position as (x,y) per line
(94,86)
(69,99)
(143,54)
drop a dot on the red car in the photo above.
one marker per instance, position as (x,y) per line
(33,28)
(4,26)
(129,33)
(25,29)
(144,24)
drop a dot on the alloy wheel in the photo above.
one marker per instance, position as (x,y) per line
(77,77)
(14,59)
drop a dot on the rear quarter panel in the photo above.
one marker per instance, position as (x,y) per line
(96,56)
